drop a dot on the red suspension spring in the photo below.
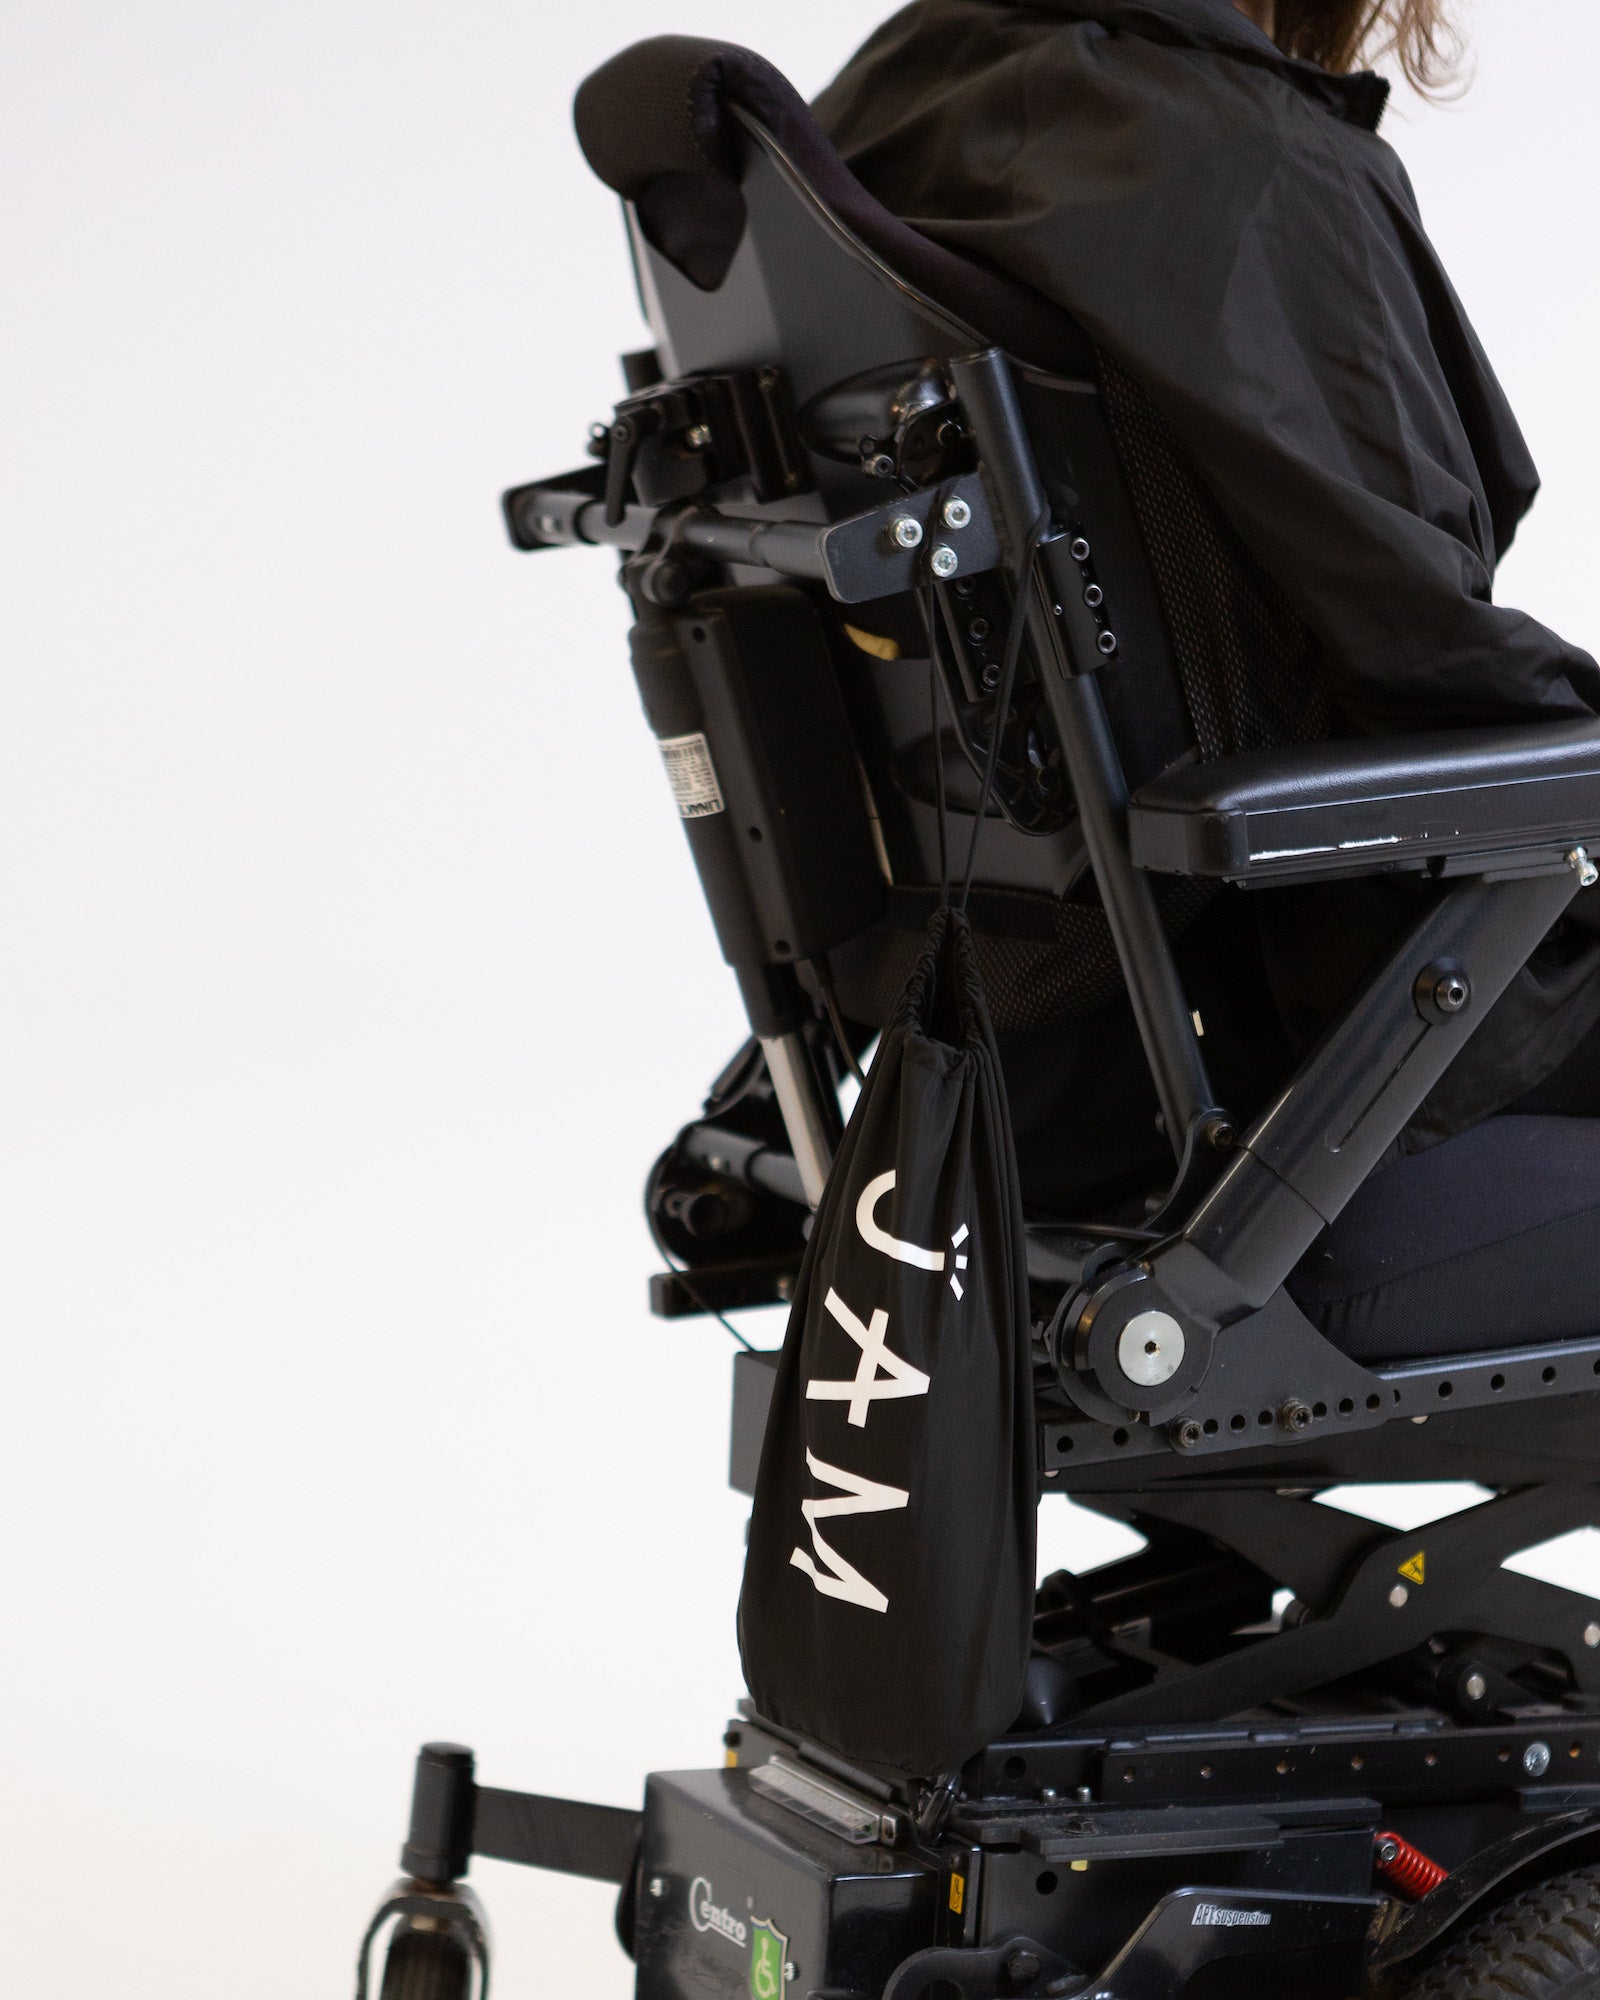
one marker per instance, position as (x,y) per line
(1406,1869)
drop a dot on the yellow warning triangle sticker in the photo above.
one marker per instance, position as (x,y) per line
(1416,1571)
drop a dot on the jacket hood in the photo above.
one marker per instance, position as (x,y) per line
(1219,26)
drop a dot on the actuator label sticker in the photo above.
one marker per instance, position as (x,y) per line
(692,775)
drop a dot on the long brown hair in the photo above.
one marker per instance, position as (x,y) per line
(1341,35)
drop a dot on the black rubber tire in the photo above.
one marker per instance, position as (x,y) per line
(1542,1945)
(426,1965)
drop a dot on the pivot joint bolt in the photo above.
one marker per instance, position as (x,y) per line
(1399,1597)
(1188,1436)
(1295,1415)
(1150,1349)
(1442,991)
(1023,1967)
(905,531)
(1536,1759)
(1583,867)
(944,561)
(957,514)
(1222,1135)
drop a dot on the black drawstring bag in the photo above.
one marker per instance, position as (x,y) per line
(888,1588)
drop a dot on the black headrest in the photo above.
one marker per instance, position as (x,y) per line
(654,123)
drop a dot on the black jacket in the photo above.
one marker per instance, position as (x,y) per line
(1227,225)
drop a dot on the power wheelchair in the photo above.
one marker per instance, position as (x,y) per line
(1280,1749)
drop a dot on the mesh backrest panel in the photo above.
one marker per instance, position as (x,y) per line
(1044,961)
(1248,663)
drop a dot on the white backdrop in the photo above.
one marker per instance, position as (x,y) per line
(352,968)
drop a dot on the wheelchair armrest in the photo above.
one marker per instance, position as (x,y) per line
(1513,800)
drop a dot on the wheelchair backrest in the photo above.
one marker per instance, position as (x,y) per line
(758,250)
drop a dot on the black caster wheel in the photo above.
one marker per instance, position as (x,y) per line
(426,1965)
(438,1948)
(1542,1945)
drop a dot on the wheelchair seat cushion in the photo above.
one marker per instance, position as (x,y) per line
(1487,1240)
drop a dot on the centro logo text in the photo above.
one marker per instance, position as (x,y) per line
(1214,1917)
(706,1915)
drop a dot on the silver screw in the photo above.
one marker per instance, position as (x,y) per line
(1399,1597)
(1536,1759)
(697,436)
(1474,1687)
(956,513)
(1591,1635)
(1585,870)
(657,1886)
(1047,1792)
(944,561)
(1084,1795)
(905,530)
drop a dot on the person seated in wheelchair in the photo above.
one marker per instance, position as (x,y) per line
(1326,473)
(1067,436)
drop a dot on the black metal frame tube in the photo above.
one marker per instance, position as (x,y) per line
(1166,1025)
(1314,1147)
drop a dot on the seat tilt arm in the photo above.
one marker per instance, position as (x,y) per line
(1512,801)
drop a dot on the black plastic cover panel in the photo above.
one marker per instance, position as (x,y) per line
(1513,800)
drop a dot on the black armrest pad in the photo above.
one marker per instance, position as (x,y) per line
(1519,797)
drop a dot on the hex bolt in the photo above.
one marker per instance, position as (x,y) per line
(944,561)
(957,513)
(880,465)
(1022,1967)
(1443,990)
(1080,550)
(905,531)
(1084,1795)
(1585,870)
(1295,1415)
(1107,643)
(1451,992)
(1399,1597)
(1536,1759)
(1222,1135)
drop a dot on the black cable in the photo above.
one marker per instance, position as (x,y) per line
(936,737)
(823,974)
(680,1269)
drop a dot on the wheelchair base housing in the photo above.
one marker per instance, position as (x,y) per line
(1287,1858)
